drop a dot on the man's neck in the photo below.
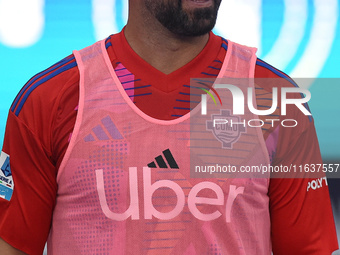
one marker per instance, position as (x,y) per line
(159,47)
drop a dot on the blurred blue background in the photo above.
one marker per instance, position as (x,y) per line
(300,37)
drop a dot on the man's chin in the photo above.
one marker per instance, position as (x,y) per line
(194,31)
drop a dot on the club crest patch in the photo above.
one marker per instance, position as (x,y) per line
(224,130)
(6,178)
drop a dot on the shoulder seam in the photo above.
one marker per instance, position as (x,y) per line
(32,132)
(283,75)
(39,79)
(276,71)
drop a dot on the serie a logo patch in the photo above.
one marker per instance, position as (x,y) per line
(6,178)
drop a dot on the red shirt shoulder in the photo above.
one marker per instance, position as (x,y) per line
(297,212)
(29,140)
(38,104)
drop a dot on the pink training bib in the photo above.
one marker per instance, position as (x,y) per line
(126,184)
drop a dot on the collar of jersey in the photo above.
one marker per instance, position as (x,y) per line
(126,98)
(150,75)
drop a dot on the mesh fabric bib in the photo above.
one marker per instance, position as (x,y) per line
(124,186)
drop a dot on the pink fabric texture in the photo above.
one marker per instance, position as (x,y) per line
(115,195)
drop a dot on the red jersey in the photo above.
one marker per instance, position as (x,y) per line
(39,128)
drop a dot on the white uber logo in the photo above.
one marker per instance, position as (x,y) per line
(149,188)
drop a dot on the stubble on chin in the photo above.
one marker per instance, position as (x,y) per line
(180,21)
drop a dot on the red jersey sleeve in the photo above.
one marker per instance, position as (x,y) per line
(301,213)
(25,218)
(38,127)
(300,209)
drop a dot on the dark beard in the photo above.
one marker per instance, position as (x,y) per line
(184,23)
